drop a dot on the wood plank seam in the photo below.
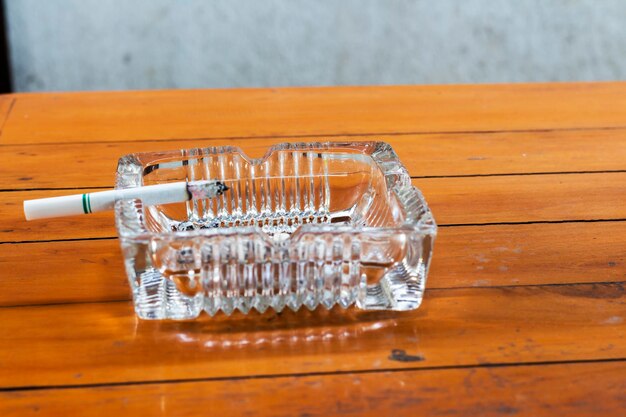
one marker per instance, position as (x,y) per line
(536,317)
(572,389)
(308,374)
(517,174)
(14,190)
(428,289)
(297,111)
(459,261)
(78,239)
(414,177)
(320,136)
(566,221)
(7,114)
(423,157)
(121,300)
(595,307)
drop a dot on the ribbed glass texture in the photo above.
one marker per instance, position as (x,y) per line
(308,224)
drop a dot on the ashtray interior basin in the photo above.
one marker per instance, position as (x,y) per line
(308,224)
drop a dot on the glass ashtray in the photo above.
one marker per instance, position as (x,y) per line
(308,224)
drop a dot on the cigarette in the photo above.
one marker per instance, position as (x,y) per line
(70,205)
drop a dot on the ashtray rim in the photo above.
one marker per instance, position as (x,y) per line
(131,169)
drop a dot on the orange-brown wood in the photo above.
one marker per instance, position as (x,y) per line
(522,198)
(106,116)
(105,343)
(584,389)
(520,317)
(62,272)
(15,228)
(532,254)
(94,164)
(475,256)
(528,198)
(6,105)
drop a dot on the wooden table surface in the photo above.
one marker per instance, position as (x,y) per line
(525,311)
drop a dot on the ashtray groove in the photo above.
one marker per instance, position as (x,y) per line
(308,224)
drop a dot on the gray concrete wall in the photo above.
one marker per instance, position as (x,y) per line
(122,44)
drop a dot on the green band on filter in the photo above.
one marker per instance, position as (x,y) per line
(89,202)
(86,207)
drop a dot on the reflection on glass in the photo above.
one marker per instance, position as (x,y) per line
(306,225)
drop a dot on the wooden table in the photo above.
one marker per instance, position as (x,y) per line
(525,312)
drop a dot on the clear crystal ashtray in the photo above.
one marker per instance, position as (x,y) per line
(308,224)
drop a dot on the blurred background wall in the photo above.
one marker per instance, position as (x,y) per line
(122,44)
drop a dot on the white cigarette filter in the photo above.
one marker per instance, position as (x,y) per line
(70,205)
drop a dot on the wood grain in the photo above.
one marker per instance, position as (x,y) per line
(62,272)
(530,198)
(145,115)
(583,389)
(94,164)
(532,254)
(525,308)
(105,343)
(15,228)
(6,106)
(474,200)
(475,256)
